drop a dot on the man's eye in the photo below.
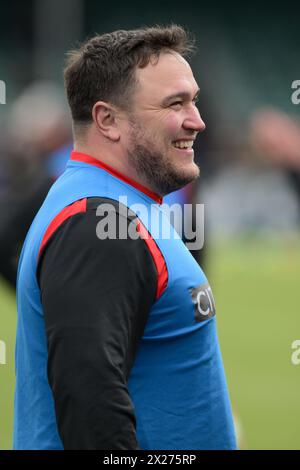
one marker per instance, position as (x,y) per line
(176,103)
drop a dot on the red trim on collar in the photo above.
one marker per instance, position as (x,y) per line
(82,157)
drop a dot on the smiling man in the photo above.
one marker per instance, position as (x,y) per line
(117,345)
(164,124)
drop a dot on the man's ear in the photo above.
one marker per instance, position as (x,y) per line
(104,116)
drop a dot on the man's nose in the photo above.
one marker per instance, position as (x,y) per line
(194,121)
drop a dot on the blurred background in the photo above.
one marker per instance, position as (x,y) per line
(247,61)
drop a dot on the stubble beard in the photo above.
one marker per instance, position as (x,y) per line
(158,172)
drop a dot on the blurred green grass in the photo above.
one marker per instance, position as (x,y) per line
(8,317)
(256,287)
(257,292)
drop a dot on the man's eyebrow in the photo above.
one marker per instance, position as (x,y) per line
(183,95)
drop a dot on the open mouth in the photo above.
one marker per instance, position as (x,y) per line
(185,145)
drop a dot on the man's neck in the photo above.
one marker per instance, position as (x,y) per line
(118,163)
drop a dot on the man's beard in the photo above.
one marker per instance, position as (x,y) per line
(154,167)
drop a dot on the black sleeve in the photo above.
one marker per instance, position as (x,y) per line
(96,295)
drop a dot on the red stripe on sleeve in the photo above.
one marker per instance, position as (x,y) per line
(64,214)
(158,258)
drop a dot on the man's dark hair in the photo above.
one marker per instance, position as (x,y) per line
(103,69)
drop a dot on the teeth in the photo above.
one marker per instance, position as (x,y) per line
(184,144)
